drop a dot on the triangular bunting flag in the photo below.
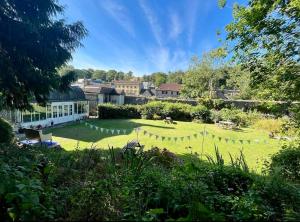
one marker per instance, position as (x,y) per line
(96,127)
(101,129)
(233,141)
(145,132)
(162,138)
(213,136)
(188,137)
(226,139)
(195,135)
(118,131)
(201,133)
(169,138)
(249,141)
(124,131)
(156,137)
(182,138)
(112,131)
(175,139)
(241,141)
(86,123)
(150,134)
(220,138)
(107,130)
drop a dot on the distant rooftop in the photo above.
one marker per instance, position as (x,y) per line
(170,87)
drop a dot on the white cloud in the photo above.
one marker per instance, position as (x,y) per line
(162,59)
(192,10)
(176,27)
(120,14)
(153,21)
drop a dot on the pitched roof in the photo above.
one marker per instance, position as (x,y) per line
(75,93)
(108,90)
(170,87)
(147,92)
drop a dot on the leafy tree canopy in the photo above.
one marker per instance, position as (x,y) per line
(33,45)
(203,74)
(265,36)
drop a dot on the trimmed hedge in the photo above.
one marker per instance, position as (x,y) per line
(178,111)
(6,132)
(110,111)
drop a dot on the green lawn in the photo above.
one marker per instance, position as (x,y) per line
(81,136)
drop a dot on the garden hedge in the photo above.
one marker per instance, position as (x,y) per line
(178,111)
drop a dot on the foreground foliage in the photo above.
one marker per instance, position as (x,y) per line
(6,132)
(43,184)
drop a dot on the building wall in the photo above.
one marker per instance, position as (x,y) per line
(115,99)
(164,94)
(129,88)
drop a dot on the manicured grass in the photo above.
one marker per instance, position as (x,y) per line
(80,136)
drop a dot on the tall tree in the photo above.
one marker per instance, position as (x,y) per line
(265,35)
(203,74)
(175,77)
(33,45)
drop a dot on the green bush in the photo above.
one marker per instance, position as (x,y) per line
(286,162)
(178,111)
(110,111)
(235,115)
(200,112)
(6,132)
(277,109)
(148,110)
(43,184)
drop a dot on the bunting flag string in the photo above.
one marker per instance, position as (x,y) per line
(181,138)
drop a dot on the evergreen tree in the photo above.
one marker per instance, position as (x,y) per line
(34,43)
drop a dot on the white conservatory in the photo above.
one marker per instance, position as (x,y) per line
(61,108)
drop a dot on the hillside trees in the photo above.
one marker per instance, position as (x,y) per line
(33,45)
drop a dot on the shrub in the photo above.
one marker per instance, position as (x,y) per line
(286,162)
(6,132)
(48,185)
(178,111)
(200,112)
(277,109)
(271,125)
(110,111)
(235,115)
(149,109)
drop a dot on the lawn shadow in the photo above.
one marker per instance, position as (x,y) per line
(81,132)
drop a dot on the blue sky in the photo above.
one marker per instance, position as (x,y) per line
(145,36)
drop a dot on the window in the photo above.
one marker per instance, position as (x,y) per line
(54,111)
(49,114)
(60,112)
(75,108)
(70,110)
(164,92)
(65,110)
(26,117)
